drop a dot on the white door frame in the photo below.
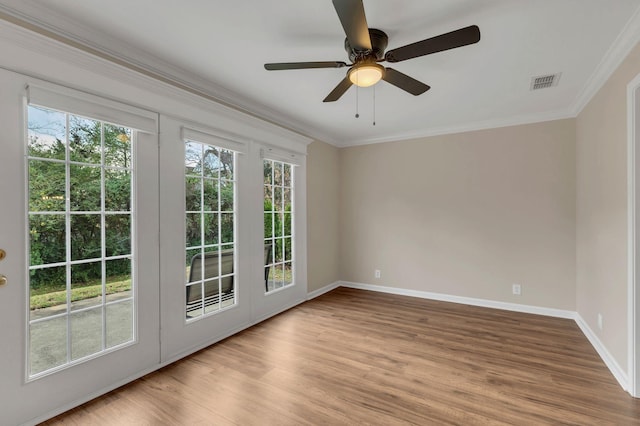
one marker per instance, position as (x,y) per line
(633,209)
(266,305)
(24,52)
(31,400)
(179,338)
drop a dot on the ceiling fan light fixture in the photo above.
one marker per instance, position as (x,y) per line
(366,74)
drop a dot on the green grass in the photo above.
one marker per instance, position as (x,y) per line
(48,297)
(54,298)
(46,288)
(276,274)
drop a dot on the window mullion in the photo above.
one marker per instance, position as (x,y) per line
(202,234)
(103,238)
(68,232)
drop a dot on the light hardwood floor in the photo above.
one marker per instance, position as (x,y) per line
(358,357)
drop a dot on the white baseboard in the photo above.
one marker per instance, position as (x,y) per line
(618,372)
(51,414)
(613,366)
(323,290)
(278,311)
(549,312)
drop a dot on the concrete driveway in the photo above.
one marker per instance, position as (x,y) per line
(48,343)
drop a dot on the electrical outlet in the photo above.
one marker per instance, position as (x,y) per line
(600,321)
(516,289)
(377,273)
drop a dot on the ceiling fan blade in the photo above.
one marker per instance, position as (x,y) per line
(458,38)
(340,89)
(354,22)
(302,65)
(404,82)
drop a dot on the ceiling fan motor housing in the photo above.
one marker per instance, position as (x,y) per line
(379,41)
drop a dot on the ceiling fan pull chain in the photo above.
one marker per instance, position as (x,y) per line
(374,105)
(357,115)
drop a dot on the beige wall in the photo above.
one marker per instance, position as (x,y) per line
(466,214)
(601,244)
(323,181)
(542,205)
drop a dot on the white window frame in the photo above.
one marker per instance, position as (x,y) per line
(273,302)
(207,139)
(272,262)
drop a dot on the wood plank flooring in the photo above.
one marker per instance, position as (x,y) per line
(359,357)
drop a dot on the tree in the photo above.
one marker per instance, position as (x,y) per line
(89,141)
(209,197)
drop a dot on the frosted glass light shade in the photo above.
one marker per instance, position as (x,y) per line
(366,75)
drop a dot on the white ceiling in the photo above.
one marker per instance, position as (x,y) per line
(219,48)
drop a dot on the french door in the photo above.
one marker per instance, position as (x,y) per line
(79,226)
(281,182)
(232,234)
(205,241)
(125,250)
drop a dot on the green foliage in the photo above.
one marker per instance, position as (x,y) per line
(46,299)
(55,186)
(209,198)
(91,143)
(276,225)
(278,180)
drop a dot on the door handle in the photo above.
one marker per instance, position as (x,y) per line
(3,279)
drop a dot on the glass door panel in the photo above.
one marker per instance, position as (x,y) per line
(80,231)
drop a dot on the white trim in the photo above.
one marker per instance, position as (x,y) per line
(281,309)
(154,68)
(215,137)
(323,290)
(59,410)
(137,375)
(158,366)
(619,50)
(632,239)
(628,38)
(611,363)
(604,354)
(73,101)
(171,98)
(613,366)
(286,156)
(468,127)
(485,303)
(175,358)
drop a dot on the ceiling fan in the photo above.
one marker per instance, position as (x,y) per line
(365,47)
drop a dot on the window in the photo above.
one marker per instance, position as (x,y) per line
(80,227)
(278,232)
(210,189)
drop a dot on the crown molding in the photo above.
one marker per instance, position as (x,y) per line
(619,50)
(45,48)
(32,14)
(147,65)
(468,127)
(628,38)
